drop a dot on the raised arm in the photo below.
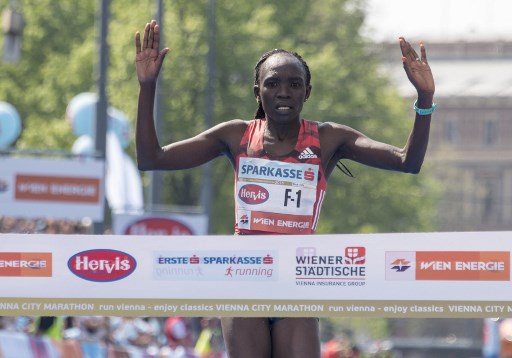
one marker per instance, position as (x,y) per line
(179,155)
(420,75)
(344,142)
(148,62)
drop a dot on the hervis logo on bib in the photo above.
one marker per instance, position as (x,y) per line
(253,194)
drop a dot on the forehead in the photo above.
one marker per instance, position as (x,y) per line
(282,64)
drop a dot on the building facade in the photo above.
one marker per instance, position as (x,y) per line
(470,149)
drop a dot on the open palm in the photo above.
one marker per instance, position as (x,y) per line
(417,68)
(148,57)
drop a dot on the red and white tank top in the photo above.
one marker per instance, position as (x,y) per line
(279,195)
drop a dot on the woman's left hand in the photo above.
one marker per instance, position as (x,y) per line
(417,68)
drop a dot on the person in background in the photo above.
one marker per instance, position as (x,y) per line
(179,338)
(340,347)
(209,344)
(50,326)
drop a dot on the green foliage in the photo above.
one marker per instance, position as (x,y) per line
(59,61)
(56,64)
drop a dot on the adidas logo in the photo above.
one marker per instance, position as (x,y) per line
(307,154)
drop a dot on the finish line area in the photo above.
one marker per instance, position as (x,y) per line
(396,275)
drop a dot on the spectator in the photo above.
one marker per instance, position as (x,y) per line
(50,326)
(340,347)
(210,343)
(179,338)
(132,332)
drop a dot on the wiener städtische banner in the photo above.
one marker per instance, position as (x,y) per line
(59,188)
(456,274)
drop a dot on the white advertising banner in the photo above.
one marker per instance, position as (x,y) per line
(464,274)
(57,188)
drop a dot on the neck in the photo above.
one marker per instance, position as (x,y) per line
(281,131)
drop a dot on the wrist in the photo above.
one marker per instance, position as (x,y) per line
(425,99)
(425,108)
(147,85)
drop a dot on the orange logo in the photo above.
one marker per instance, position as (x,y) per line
(280,223)
(26,264)
(463,265)
(48,188)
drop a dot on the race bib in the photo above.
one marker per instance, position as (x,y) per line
(275,196)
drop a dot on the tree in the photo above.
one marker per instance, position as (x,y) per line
(56,64)
(59,56)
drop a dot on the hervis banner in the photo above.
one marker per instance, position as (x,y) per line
(456,274)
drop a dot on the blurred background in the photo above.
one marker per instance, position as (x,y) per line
(68,91)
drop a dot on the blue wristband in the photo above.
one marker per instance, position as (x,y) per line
(424,111)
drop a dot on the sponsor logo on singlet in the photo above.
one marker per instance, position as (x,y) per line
(275,170)
(307,154)
(253,194)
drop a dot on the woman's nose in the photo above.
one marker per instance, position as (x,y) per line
(283,91)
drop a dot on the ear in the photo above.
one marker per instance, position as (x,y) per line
(256,90)
(308,93)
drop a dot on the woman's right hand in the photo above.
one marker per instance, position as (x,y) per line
(148,57)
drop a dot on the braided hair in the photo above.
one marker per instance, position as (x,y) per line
(260,113)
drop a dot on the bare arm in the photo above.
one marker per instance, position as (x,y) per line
(182,154)
(148,62)
(188,153)
(344,142)
(222,139)
(362,149)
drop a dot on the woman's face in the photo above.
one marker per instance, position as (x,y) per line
(282,88)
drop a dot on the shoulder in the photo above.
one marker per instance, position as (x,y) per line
(228,129)
(335,137)
(331,131)
(233,124)
(330,126)
(229,132)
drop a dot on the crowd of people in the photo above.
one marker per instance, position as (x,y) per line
(150,337)
(17,225)
(162,337)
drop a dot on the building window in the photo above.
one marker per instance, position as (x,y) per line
(490,132)
(450,131)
